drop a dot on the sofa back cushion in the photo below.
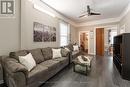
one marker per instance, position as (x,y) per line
(17,54)
(37,55)
(64,52)
(47,53)
(70,47)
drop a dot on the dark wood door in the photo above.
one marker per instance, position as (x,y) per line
(100,41)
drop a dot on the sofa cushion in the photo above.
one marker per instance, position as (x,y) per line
(62,59)
(39,73)
(51,64)
(17,54)
(37,55)
(47,53)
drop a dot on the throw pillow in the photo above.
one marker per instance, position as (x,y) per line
(64,52)
(28,61)
(75,48)
(56,53)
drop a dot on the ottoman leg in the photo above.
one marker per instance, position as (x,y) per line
(74,67)
(86,70)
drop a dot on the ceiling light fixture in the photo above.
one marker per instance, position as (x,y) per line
(42,10)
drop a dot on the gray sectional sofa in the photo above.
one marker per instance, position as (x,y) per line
(73,54)
(17,75)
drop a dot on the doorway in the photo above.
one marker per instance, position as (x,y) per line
(100,41)
(84,41)
(111,34)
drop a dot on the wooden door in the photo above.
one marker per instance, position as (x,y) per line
(100,41)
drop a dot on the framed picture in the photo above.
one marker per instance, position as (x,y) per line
(44,33)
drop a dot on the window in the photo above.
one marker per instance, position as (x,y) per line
(64,34)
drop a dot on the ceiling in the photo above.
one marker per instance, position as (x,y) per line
(74,8)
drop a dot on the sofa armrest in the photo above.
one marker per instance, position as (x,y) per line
(17,79)
(15,74)
(13,66)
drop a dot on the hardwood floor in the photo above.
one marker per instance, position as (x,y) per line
(103,74)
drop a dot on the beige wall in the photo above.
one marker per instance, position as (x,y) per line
(30,15)
(73,33)
(17,33)
(14,36)
(10,32)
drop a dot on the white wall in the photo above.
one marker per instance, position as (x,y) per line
(10,32)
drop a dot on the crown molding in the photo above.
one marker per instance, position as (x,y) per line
(59,15)
(97,22)
(124,13)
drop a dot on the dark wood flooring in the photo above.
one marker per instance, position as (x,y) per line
(103,74)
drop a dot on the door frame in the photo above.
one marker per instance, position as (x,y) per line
(109,26)
(88,39)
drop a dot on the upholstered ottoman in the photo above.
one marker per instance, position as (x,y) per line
(82,64)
